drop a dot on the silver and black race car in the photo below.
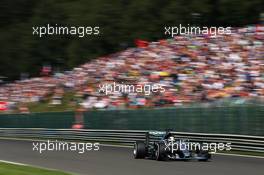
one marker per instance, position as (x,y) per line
(168,148)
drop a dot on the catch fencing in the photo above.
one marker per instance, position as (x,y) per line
(242,120)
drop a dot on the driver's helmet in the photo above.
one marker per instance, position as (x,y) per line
(171,138)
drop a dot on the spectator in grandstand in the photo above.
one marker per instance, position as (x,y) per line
(191,69)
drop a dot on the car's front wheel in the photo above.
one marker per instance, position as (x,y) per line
(206,156)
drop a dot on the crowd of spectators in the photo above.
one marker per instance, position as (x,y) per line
(190,68)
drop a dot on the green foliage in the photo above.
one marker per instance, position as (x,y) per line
(11,169)
(120,22)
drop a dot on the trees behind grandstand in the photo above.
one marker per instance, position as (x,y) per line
(120,22)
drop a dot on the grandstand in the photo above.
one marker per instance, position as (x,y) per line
(192,69)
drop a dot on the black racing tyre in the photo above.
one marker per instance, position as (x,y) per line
(160,152)
(139,150)
(206,156)
(181,154)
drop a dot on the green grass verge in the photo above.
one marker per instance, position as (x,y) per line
(11,169)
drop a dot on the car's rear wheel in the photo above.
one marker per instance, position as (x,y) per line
(160,153)
(139,150)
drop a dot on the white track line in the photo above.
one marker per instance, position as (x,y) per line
(240,155)
(13,163)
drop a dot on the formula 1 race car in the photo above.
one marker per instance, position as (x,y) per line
(168,148)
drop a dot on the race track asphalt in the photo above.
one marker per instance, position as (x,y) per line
(119,161)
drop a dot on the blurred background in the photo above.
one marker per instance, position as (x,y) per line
(62,72)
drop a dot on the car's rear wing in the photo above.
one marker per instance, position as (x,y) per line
(154,135)
(157,133)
